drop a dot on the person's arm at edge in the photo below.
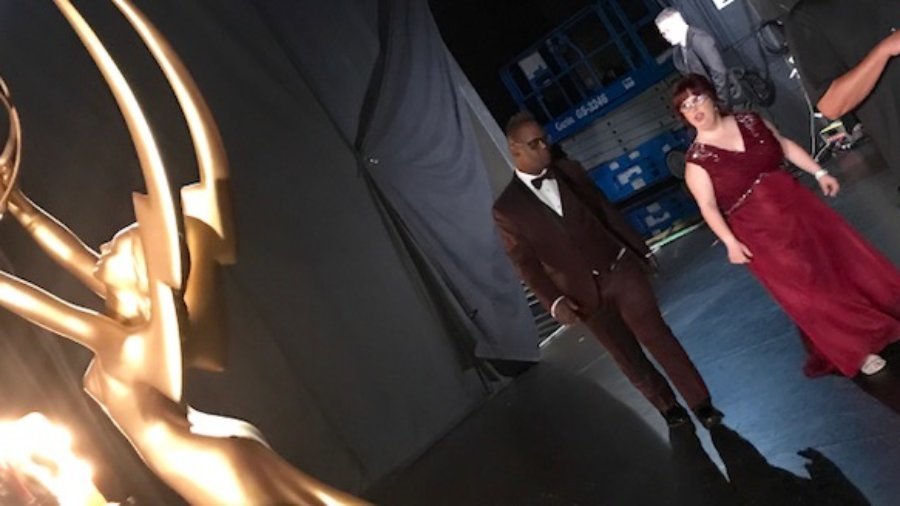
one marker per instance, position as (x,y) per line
(849,90)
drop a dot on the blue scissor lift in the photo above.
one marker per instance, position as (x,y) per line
(600,83)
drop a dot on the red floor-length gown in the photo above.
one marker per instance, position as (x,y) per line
(842,293)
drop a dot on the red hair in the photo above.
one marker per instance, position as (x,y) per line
(694,84)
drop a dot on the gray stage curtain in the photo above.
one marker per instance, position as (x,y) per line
(415,137)
(369,274)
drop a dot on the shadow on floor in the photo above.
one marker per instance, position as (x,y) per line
(551,438)
(752,480)
(554,438)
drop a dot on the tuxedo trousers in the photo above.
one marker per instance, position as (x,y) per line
(629,317)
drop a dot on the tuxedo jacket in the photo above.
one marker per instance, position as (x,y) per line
(558,255)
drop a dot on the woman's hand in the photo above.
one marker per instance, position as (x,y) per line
(738,253)
(829,185)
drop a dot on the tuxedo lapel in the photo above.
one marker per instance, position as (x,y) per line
(539,210)
(567,197)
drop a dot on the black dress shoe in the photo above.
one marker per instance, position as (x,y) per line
(708,415)
(676,416)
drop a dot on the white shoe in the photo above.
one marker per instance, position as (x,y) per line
(872,364)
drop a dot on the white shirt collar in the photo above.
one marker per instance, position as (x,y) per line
(549,192)
(527,178)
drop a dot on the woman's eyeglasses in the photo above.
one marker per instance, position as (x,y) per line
(693,101)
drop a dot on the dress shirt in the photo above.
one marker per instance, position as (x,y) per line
(549,192)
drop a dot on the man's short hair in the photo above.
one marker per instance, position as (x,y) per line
(516,121)
(665,14)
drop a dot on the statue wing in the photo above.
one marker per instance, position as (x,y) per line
(209,225)
(208,200)
(158,222)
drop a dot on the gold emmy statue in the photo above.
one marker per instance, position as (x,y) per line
(162,311)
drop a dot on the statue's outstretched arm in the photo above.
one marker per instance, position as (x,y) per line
(60,243)
(84,326)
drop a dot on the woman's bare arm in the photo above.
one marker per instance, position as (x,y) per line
(701,188)
(799,157)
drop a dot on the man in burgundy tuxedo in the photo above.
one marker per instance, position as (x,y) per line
(583,262)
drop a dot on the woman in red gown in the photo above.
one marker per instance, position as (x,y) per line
(842,293)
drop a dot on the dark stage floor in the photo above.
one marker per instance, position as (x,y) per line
(573,431)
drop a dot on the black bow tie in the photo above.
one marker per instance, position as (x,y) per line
(539,181)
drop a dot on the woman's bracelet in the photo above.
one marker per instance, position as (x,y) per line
(820,174)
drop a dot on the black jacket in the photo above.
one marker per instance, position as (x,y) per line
(700,55)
